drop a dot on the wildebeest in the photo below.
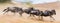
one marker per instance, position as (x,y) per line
(36,12)
(48,13)
(28,10)
(14,10)
(32,11)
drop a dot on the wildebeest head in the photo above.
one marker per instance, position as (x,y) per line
(53,11)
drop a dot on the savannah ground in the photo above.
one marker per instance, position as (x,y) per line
(15,18)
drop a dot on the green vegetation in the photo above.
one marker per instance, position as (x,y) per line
(3,1)
(29,3)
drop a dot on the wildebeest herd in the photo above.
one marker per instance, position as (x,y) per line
(32,11)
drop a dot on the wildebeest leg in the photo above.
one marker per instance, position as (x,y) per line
(41,18)
(33,15)
(5,12)
(52,18)
(14,13)
(30,15)
(20,14)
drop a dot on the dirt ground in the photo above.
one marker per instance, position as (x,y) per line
(15,18)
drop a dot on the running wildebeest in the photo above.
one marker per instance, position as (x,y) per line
(48,13)
(33,12)
(14,10)
(36,12)
(28,10)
